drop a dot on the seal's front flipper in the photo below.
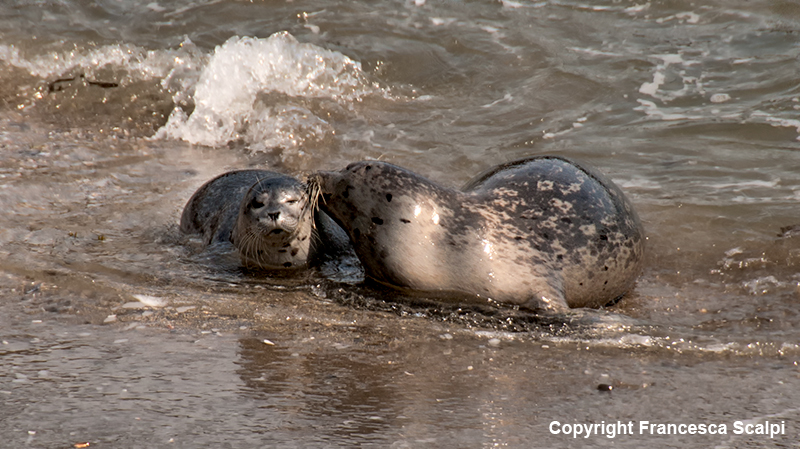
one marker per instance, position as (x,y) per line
(332,238)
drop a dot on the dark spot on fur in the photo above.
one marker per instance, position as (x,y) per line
(566,220)
(605,268)
(518,238)
(287,264)
(560,257)
(294,251)
(606,282)
(389,197)
(405,221)
(367,168)
(286,245)
(356,232)
(377,220)
(545,236)
(346,192)
(281,251)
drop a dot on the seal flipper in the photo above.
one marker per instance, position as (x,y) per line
(331,240)
(332,252)
(548,296)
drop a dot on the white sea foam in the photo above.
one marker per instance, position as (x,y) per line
(688,17)
(224,89)
(595,52)
(653,111)
(637,8)
(639,183)
(762,285)
(690,84)
(720,98)
(137,63)
(742,185)
(777,121)
(225,96)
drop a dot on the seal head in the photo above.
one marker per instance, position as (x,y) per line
(269,217)
(274,225)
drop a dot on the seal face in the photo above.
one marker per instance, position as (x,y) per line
(542,232)
(274,225)
(267,216)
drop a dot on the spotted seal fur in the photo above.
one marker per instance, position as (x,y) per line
(544,233)
(267,216)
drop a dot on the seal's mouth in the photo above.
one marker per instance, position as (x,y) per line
(284,226)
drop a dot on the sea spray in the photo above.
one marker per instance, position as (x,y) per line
(226,96)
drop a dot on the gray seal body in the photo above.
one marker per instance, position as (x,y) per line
(544,233)
(267,216)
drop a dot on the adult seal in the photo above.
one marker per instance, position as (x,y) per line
(267,216)
(544,233)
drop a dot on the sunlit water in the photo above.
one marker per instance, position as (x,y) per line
(117,331)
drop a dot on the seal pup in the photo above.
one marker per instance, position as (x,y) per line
(267,216)
(543,233)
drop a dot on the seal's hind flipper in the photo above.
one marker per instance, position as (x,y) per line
(548,295)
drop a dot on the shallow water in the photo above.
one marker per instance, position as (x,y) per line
(117,331)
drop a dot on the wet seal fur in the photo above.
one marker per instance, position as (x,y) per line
(269,217)
(544,233)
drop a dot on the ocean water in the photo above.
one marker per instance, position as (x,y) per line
(117,331)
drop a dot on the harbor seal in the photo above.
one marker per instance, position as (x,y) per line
(544,233)
(267,216)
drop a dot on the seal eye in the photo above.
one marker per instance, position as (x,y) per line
(256,204)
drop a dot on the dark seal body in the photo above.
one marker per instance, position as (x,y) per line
(544,233)
(266,215)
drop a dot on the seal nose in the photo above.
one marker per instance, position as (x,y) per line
(273,215)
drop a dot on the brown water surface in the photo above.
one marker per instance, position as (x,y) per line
(117,331)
